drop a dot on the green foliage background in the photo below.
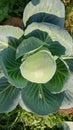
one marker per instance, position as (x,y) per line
(20,119)
(9,8)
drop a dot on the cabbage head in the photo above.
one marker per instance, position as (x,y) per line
(36,61)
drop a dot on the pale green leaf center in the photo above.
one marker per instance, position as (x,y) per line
(39,67)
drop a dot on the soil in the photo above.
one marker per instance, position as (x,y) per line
(15,21)
(68,111)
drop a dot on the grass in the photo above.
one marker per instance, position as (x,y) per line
(19,119)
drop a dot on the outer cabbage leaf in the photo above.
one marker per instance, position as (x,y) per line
(40,11)
(38,99)
(9,96)
(54,46)
(11,68)
(8,31)
(42,35)
(13,43)
(69,83)
(69,62)
(56,84)
(29,46)
(1,72)
(68,94)
(39,67)
(44,17)
(21,103)
(68,100)
(56,33)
